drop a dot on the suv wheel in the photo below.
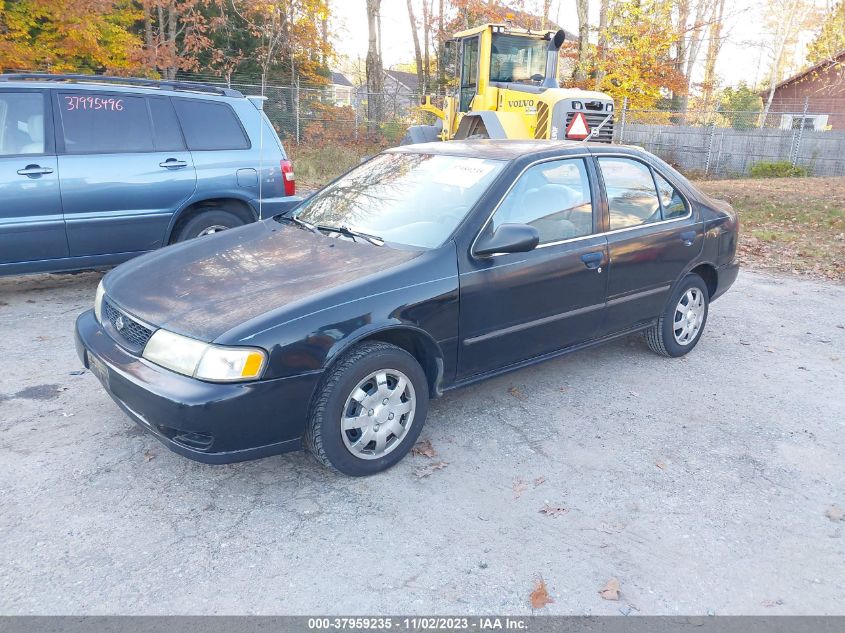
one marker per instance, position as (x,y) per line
(369,410)
(208,222)
(680,326)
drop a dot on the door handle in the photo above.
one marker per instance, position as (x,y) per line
(34,170)
(688,238)
(172,163)
(592,260)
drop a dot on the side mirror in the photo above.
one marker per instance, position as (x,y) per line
(508,238)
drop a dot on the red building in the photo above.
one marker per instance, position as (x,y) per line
(822,87)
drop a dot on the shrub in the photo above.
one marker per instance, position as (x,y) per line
(777,169)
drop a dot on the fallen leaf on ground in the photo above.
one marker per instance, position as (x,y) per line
(835,513)
(634,393)
(519,487)
(148,455)
(553,511)
(771,603)
(539,480)
(425,471)
(516,392)
(660,464)
(611,590)
(540,596)
(424,448)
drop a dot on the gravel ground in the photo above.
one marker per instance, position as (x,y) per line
(702,484)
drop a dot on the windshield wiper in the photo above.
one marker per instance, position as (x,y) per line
(306,225)
(344,229)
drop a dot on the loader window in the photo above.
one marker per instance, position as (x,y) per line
(517,59)
(469,72)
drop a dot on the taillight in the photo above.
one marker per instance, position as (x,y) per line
(288,178)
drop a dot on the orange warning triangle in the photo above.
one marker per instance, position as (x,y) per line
(578,128)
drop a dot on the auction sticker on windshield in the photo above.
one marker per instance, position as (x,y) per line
(465,172)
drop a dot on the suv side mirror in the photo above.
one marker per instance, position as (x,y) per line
(508,238)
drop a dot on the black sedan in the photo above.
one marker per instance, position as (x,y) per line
(424,269)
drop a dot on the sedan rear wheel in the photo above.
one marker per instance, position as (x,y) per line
(680,326)
(369,409)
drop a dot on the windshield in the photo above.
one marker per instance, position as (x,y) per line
(516,58)
(405,198)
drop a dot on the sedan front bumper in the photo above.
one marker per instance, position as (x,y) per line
(213,423)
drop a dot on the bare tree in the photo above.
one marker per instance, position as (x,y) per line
(714,45)
(417,54)
(692,47)
(583,9)
(427,10)
(375,70)
(604,9)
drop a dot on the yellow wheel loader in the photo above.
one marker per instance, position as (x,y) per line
(507,87)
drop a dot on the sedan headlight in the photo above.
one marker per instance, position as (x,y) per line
(194,358)
(98,302)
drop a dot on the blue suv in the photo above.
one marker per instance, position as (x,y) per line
(96,170)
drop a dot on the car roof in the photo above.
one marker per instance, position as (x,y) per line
(115,84)
(509,149)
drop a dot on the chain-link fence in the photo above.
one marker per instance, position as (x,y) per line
(790,138)
(803,136)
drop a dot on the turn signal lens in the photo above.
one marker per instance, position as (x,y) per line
(231,364)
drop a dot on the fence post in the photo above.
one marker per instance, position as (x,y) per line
(622,122)
(710,136)
(296,109)
(797,145)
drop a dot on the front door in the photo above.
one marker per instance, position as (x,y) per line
(31,225)
(125,170)
(469,72)
(653,236)
(518,306)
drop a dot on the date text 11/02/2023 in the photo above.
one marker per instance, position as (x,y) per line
(429,623)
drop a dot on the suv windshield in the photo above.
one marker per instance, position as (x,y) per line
(516,58)
(404,198)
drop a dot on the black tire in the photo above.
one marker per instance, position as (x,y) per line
(323,430)
(205,220)
(661,337)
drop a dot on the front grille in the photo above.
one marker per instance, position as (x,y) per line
(594,119)
(542,129)
(132,332)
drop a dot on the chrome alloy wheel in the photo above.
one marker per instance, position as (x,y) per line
(689,315)
(211,230)
(378,413)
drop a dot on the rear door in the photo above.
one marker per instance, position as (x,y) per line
(31,224)
(124,168)
(653,236)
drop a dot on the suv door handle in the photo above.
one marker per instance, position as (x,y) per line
(592,260)
(172,163)
(34,170)
(688,238)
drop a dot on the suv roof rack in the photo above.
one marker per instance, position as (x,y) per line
(164,84)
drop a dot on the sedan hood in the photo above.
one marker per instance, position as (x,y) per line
(207,286)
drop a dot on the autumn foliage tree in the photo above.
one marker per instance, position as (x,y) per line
(70,35)
(638,64)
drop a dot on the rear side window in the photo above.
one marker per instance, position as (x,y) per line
(631,195)
(210,125)
(21,123)
(166,132)
(672,202)
(104,123)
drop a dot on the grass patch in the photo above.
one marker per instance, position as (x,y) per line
(794,225)
(316,167)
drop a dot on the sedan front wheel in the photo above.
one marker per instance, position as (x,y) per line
(369,410)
